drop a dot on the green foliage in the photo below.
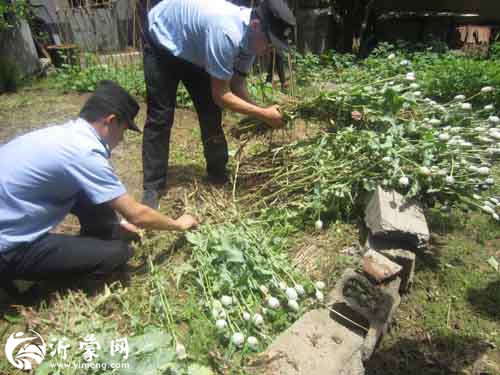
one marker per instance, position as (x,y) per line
(12,12)
(74,78)
(404,141)
(311,68)
(495,51)
(246,262)
(261,91)
(450,75)
(454,300)
(129,76)
(324,176)
(442,74)
(150,353)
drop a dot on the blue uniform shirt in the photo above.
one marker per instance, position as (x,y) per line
(42,173)
(212,34)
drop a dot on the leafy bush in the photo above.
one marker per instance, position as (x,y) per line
(442,75)
(130,77)
(74,78)
(451,75)
(11,12)
(495,51)
(316,70)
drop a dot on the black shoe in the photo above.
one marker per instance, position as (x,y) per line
(151,198)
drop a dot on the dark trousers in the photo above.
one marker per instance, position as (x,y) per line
(163,72)
(278,66)
(59,256)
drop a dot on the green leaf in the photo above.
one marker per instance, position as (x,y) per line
(415,188)
(195,239)
(230,252)
(181,271)
(152,339)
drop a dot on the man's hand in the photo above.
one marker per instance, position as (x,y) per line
(356,115)
(186,222)
(127,231)
(225,98)
(145,217)
(273,116)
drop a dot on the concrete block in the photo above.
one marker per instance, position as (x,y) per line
(389,216)
(314,345)
(406,259)
(336,339)
(390,289)
(379,267)
(394,251)
(366,306)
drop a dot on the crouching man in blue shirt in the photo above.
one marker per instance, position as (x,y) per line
(48,173)
(210,46)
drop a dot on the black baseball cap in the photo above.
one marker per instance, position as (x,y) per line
(110,97)
(278,22)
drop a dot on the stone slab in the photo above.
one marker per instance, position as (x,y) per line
(389,216)
(314,345)
(379,267)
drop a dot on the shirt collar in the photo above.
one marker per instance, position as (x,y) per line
(86,125)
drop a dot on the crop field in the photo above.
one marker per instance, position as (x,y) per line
(273,242)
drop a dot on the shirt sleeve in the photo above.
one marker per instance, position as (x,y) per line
(95,176)
(221,52)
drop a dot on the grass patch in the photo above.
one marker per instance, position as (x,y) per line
(450,322)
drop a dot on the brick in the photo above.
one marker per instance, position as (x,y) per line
(394,251)
(379,267)
(406,259)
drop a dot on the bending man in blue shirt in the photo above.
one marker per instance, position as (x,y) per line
(51,172)
(210,46)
